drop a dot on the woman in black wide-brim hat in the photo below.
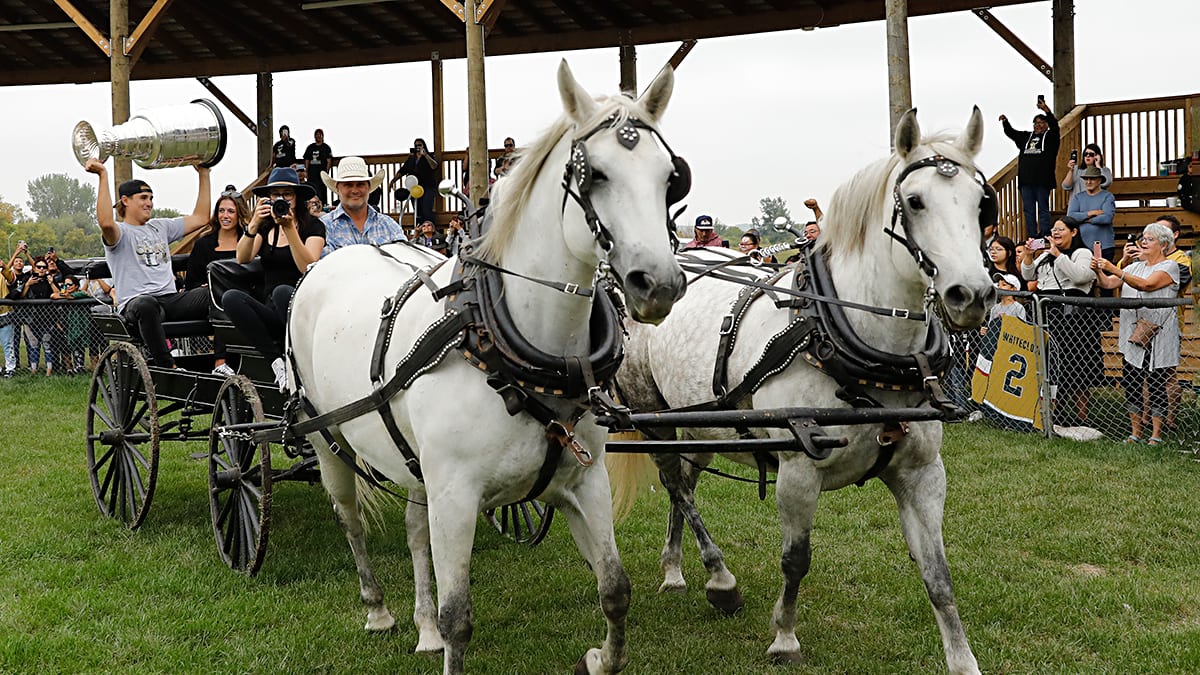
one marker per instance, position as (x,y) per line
(285,236)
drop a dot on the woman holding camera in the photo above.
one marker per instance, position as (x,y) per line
(1149,338)
(1072,180)
(287,239)
(1063,267)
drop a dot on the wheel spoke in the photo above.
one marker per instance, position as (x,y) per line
(102,414)
(136,458)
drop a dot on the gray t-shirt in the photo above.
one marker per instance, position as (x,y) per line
(140,261)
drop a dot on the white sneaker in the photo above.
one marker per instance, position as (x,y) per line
(280,369)
(224,370)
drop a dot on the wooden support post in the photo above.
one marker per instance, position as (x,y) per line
(899,84)
(477,148)
(1064,56)
(439,119)
(628,57)
(1191,124)
(118,27)
(266,122)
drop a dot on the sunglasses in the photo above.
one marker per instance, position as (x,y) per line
(509,145)
(39,267)
(1089,154)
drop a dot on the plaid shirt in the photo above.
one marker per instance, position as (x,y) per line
(340,230)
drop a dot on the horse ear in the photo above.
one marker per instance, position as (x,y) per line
(908,133)
(656,97)
(971,139)
(576,102)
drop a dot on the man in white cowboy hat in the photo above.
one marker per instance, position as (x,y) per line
(137,250)
(355,221)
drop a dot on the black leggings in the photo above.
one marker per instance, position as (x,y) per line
(148,312)
(263,325)
(1155,380)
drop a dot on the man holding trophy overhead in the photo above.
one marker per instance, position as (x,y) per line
(137,249)
(137,246)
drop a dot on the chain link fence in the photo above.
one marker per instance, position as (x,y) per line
(60,337)
(1073,368)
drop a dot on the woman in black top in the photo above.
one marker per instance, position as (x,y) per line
(219,243)
(287,240)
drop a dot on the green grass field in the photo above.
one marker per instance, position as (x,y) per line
(1067,558)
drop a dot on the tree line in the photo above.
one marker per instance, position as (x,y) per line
(64,216)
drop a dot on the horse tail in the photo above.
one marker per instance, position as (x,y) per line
(371,500)
(629,474)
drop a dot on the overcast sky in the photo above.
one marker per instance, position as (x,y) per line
(791,114)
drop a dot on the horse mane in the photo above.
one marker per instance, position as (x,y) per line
(511,194)
(856,204)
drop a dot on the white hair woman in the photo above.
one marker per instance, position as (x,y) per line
(1149,353)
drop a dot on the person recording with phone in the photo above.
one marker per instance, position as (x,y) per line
(422,164)
(283,234)
(1072,180)
(1035,167)
(1094,208)
(1062,265)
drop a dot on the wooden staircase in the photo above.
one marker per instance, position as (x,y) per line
(1135,136)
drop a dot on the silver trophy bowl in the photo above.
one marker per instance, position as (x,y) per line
(158,138)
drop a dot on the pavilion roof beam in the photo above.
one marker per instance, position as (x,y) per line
(486,13)
(677,58)
(86,26)
(1015,42)
(228,103)
(577,11)
(136,43)
(47,45)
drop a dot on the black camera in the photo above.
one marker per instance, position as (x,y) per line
(1074,155)
(1132,238)
(280,207)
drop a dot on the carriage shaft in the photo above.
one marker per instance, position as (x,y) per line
(775,417)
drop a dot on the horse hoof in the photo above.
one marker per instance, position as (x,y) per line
(728,601)
(673,587)
(430,645)
(787,658)
(380,621)
(589,663)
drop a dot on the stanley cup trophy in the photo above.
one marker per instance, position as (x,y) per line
(158,138)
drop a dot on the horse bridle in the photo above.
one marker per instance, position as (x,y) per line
(988,210)
(579,168)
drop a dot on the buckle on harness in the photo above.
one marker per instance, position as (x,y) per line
(571,288)
(900,313)
(565,436)
(726,325)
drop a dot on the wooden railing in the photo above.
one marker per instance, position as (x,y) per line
(453,163)
(1136,136)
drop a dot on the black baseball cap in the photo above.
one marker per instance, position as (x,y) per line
(132,187)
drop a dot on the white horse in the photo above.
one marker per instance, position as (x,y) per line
(473,454)
(671,365)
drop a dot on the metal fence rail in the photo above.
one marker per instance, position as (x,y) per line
(60,337)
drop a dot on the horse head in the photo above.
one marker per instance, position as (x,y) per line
(940,206)
(624,185)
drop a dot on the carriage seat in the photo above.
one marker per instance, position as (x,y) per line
(114,326)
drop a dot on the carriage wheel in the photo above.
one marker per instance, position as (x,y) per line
(122,434)
(239,478)
(526,522)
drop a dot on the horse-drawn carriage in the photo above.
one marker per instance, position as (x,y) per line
(134,407)
(538,356)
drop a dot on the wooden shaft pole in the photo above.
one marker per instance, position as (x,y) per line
(1064,55)
(118,17)
(476,106)
(899,83)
